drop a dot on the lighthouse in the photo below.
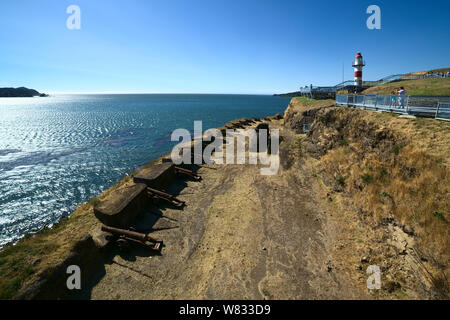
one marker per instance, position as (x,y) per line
(358,66)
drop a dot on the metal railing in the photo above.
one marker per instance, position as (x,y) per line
(428,106)
(388,79)
(318,89)
(426,76)
(349,83)
(443,111)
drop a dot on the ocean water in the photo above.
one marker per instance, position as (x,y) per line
(60,151)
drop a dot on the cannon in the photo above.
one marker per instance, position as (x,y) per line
(157,194)
(187,172)
(127,236)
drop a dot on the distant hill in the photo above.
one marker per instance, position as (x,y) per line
(441,70)
(290,94)
(20,92)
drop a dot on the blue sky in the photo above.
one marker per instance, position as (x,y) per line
(214,46)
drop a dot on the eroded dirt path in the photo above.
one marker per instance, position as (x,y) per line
(242,235)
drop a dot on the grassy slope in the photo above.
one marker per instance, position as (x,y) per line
(441,70)
(22,263)
(407,178)
(428,87)
(301,104)
(384,166)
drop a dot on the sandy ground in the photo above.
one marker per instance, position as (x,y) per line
(242,235)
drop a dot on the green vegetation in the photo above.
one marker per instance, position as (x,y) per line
(421,87)
(385,195)
(304,99)
(20,261)
(367,178)
(340,180)
(396,149)
(438,215)
(440,70)
(16,266)
(94,201)
(23,262)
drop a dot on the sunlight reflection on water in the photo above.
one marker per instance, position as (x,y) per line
(60,151)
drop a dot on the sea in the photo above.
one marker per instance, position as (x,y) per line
(58,152)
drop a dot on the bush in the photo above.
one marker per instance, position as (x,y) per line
(10,288)
(385,195)
(367,178)
(396,149)
(340,180)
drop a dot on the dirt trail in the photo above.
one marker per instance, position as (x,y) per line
(242,235)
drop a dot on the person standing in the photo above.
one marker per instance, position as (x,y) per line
(401,98)
(393,99)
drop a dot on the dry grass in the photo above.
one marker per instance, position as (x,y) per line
(426,87)
(22,263)
(412,187)
(299,106)
(304,103)
(441,70)
(403,175)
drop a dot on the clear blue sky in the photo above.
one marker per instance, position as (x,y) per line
(214,46)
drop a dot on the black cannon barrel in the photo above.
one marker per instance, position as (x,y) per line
(128,233)
(188,172)
(161,193)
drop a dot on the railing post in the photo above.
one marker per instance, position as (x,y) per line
(437,110)
(407,104)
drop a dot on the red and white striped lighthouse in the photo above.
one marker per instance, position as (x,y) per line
(358,66)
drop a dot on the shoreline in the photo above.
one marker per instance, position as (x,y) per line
(144,146)
(82,250)
(123,177)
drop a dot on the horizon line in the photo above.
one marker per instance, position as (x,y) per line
(134,92)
